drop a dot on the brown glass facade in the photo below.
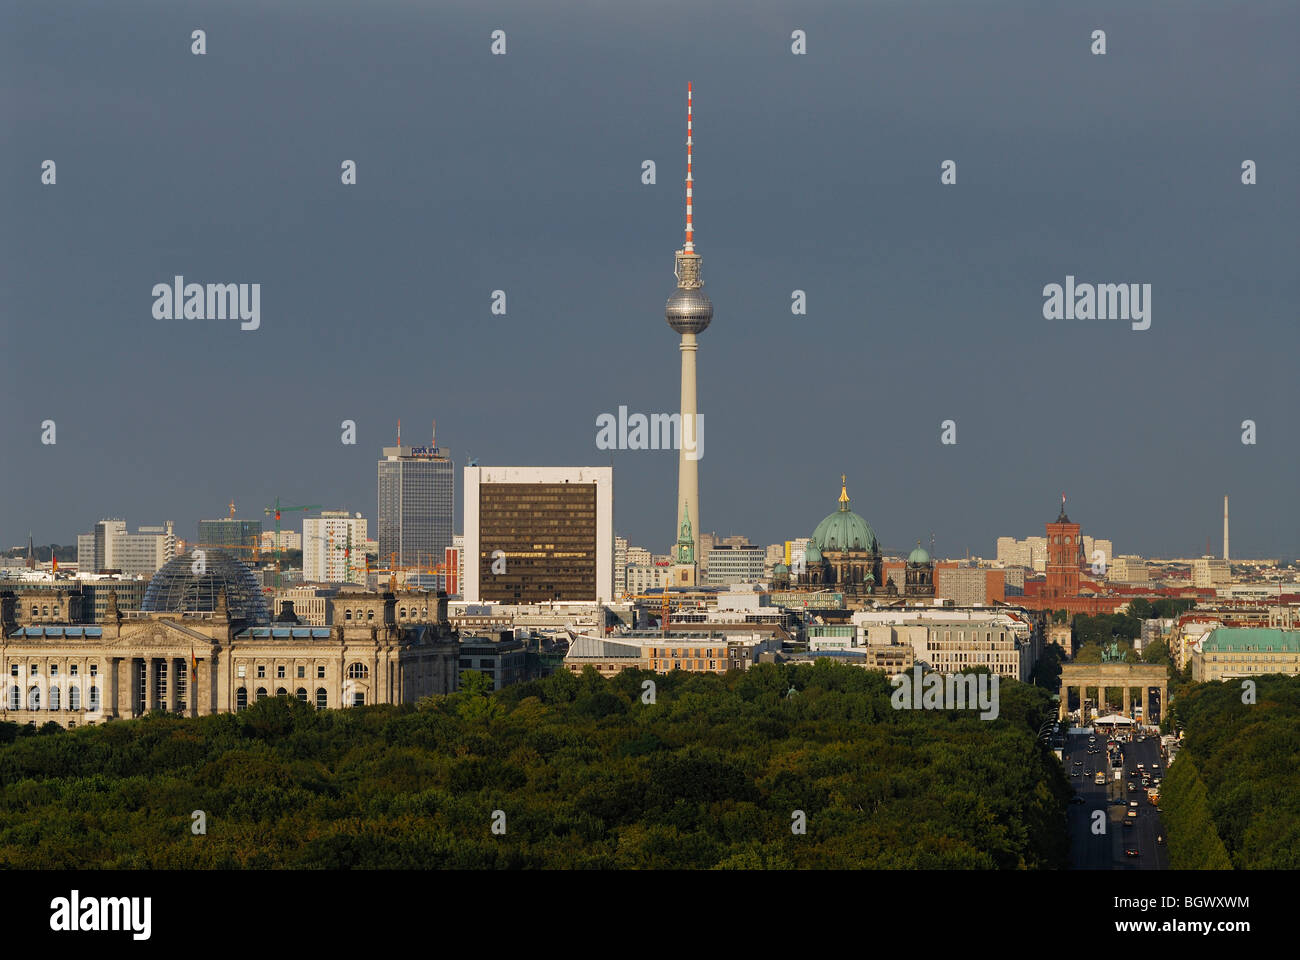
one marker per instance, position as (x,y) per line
(548,534)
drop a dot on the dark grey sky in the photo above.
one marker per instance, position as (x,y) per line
(522,172)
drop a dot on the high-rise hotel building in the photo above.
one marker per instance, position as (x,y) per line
(539,534)
(417,496)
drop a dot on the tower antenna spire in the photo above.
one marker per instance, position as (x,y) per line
(690,211)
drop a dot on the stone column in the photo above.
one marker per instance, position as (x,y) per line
(1127,704)
(1146,704)
(111,696)
(150,683)
(124,668)
(1064,708)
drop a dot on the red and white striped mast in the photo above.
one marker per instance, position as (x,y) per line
(690,212)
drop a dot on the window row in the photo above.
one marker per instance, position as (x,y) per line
(55,698)
(241,671)
(73,669)
(322,697)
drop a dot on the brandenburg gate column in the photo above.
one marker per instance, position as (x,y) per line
(1127,703)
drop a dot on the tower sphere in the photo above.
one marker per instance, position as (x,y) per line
(689,311)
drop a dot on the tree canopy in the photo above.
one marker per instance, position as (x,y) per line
(577,771)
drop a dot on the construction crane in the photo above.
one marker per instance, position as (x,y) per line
(277,509)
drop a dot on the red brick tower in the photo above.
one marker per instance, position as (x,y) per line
(1064,553)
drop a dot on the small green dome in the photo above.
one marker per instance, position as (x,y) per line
(780,570)
(918,556)
(844,529)
(811,554)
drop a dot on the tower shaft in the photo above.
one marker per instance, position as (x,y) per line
(688,472)
(1225,526)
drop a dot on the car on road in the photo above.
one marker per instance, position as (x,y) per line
(1132,813)
(1132,803)
(1114,800)
(1160,838)
(1074,773)
(1077,799)
(1087,772)
(1131,852)
(1132,785)
(1128,824)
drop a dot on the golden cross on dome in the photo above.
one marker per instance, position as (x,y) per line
(844,491)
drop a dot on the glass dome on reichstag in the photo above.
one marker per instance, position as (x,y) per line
(185,585)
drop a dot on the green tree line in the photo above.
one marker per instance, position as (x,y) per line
(1236,781)
(579,772)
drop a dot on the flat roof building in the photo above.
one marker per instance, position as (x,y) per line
(539,534)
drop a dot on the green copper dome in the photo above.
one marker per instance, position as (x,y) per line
(844,529)
(811,554)
(918,555)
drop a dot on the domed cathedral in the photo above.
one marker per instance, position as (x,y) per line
(844,552)
(918,575)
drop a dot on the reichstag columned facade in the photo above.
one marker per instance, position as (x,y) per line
(382,648)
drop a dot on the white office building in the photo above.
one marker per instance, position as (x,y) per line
(334,548)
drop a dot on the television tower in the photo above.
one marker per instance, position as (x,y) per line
(1225,526)
(688,312)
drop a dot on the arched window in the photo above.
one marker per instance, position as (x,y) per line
(347,614)
(424,612)
(261,692)
(302,694)
(45,611)
(15,696)
(402,615)
(54,698)
(56,609)
(322,698)
(358,671)
(36,611)
(241,699)
(281,692)
(94,698)
(370,614)
(34,698)
(74,697)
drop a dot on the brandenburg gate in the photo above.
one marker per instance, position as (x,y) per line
(1123,675)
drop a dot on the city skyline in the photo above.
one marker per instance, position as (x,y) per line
(924,300)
